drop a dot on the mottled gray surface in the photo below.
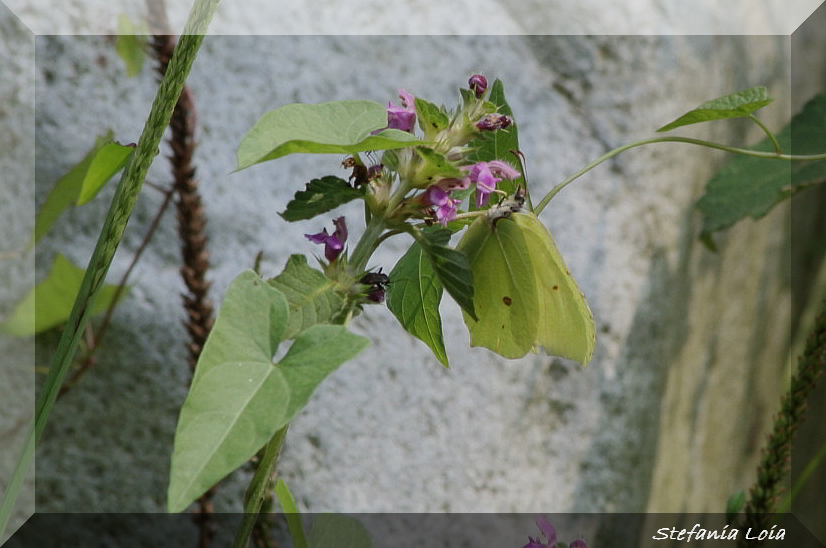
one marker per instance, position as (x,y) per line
(16,224)
(685,337)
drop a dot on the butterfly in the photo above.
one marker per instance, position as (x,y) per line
(524,295)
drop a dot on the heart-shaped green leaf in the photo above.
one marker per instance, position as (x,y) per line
(239,398)
(312,296)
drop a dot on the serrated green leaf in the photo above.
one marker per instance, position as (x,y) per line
(432,119)
(435,166)
(452,268)
(339,127)
(750,187)
(311,295)
(290,509)
(131,45)
(734,105)
(239,398)
(50,302)
(338,531)
(83,181)
(320,196)
(497,145)
(414,299)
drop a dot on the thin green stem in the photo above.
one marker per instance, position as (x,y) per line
(367,244)
(607,156)
(259,486)
(113,227)
(777,147)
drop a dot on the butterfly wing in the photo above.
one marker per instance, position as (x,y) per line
(504,295)
(565,324)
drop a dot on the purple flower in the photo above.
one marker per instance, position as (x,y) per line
(548,531)
(486,175)
(490,122)
(478,84)
(579,543)
(403,117)
(333,243)
(444,204)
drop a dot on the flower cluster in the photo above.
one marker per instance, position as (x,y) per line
(429,179)
(451,141)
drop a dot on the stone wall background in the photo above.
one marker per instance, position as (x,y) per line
(692,346)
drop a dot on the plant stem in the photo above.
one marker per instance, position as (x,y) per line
(607,156)
(367,244)
(768,132)
(259,486)
(116,219)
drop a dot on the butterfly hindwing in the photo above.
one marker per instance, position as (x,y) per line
(565,324)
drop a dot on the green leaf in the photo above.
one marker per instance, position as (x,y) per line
(734,504)
(131,45)
(83,181)
(436,166)
(750,187)
(734,105)
(432,119)
(338,531)
(414,299)
(339,127)
(239,398)
(320,196)
(311,295)
(290,510)
(51,301)
(452,268)
(497,145)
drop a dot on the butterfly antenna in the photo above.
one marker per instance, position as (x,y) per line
(523,166)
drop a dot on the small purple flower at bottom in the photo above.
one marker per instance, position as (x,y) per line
(444,204)
(548,531)
(579,543)
(403,117)
(333,243)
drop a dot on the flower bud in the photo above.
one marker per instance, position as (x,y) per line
(478,84)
